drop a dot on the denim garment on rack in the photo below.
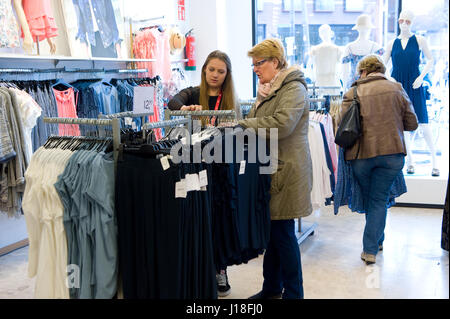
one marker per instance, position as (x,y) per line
(105,97)
(103,15)
(125,91)
(348,191)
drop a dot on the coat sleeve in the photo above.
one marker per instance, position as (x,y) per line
(410,122)
(184,97)
(288,112)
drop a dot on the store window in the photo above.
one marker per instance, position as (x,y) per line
(431,22)
(298,24)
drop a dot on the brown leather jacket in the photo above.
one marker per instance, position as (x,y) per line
(386,112)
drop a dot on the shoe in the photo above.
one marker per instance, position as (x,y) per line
(368,258)
(223,287)
(435,172)
(410,169)
(262,295)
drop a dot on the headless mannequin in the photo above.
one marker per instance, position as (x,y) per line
(361,46)
(325,60)
(405,23)
(28,38)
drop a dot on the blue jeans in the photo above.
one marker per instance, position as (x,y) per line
(375,176)
(282,266)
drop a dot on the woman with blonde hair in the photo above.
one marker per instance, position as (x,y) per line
(282,103)
(216,90)
(379,154)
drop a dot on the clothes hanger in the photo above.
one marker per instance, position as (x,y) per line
(61,85)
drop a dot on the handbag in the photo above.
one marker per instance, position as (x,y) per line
(349,130)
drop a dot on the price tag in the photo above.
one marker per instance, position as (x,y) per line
(164,162)
(128,120)
(203,176)
(192,182)
(242,168)
(180,189)
(143,99)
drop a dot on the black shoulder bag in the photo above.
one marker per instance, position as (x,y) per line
(349,130)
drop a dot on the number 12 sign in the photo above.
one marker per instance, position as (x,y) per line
(143,99)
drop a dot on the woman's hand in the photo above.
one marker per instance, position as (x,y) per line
(191,108)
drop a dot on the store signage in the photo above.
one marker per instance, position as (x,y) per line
(181,10)
(143,99)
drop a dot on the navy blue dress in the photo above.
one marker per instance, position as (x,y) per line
(405,70)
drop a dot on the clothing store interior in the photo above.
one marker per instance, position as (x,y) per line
(109,111)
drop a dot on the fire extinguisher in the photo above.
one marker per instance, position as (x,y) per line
(190,51)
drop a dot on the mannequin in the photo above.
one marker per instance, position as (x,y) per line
(325,60)
(36,19)
(28,38)
(356,50)
(405,54)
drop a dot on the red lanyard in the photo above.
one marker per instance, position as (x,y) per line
(219,98)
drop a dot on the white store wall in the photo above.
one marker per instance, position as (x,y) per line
(225,25)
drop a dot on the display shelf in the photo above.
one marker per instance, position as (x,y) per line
(68,58)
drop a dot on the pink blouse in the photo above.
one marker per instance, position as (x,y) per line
(66,103)
(153,44)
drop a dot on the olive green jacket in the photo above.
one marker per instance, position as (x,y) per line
(286,108)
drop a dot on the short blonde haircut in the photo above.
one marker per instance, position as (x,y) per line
(270,48)
(371,63)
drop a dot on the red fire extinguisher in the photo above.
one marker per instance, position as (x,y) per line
(190,51)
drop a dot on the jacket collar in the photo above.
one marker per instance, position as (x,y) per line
(370,78)
(282,78)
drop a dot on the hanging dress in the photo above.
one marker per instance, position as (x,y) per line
(405,70)
(354,59)
(40,19)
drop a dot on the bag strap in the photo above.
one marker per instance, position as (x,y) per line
(355,97)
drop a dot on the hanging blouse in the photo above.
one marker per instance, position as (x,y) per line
(9,29)
(40,19)
(153,44)
(66,103)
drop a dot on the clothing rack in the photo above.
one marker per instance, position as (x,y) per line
(229,113)
(68,70)
(114,123)
(167,123)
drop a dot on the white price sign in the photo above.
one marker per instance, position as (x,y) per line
(143,99)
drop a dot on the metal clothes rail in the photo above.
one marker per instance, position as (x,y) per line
(167,123)
(224,113)
(114,123)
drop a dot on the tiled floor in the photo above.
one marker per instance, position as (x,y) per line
(412,265)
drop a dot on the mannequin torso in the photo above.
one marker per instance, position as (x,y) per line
(354,52)
(325,60)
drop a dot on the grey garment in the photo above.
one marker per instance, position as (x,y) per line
(64,187)
(15,168)
(85,239)
(6,148)
(286,108)
(86,189)
(23,143)
(100,191)
(16,128)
